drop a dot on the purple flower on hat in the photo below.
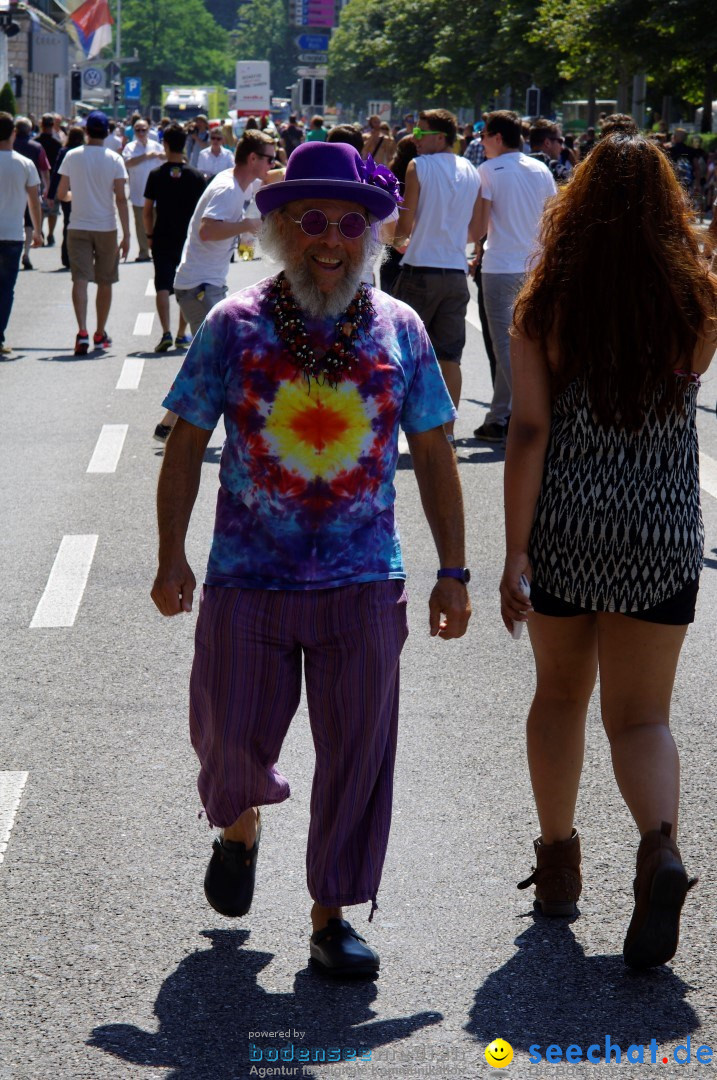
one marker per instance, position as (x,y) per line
(380,176)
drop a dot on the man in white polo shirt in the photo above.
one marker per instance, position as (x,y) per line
(514,188)
(141,156)
(93,177)
(19,187)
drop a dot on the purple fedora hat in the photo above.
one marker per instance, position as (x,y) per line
(318,170)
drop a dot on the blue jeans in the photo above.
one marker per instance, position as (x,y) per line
(10,252)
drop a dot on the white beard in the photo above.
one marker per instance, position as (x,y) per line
(308,295)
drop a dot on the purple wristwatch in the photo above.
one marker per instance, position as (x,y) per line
(460,573)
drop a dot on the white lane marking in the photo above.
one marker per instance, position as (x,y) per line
(473,318)
(402,443)
(108,449)
(708,475)
(11,785)
(61,599)
(143,324)
(150,290)
(131,373)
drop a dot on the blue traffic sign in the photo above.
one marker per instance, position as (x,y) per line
(313,42)
(132,89)
(93,77)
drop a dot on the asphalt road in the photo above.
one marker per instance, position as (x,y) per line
(111,963)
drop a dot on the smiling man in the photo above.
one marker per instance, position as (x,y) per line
(314,372)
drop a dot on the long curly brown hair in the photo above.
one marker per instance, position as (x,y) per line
(619,285)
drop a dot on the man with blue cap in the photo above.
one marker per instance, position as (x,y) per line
(314,372)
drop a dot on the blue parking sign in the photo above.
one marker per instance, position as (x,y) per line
(132,89)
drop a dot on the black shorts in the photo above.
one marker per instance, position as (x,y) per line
(677,611)
(166,261)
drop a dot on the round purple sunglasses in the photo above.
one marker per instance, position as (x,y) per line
(315,223)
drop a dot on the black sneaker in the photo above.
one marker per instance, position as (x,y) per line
(165,343)
(161,432)
(495,433)
(82,343)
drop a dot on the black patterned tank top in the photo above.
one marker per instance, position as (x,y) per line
(618,524)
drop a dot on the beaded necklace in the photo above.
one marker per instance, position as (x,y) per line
(331,366)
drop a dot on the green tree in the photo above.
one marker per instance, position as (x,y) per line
(265,33)
(7,100)
(437,52)
(176,43)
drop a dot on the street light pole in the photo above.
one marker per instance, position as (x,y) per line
(118,53)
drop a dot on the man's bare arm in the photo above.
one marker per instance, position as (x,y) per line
(213,229)
(407,210)
(121,200)
(63,190)
(148,217)
(35,211)
(437,477)
(179,478)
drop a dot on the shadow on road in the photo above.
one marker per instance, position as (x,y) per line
(551,992)
(207,1008)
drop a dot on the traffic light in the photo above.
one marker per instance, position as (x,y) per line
(319,93)
(116,92)
(76,85)
(532,101)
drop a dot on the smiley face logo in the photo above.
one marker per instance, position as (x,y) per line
(499,1053)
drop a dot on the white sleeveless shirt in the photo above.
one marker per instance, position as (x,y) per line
(449,189)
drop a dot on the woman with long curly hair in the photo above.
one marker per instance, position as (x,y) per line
(612,330)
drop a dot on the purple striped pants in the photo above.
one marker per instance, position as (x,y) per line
(245,689)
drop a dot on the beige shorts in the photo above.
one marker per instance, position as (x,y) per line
(94,256)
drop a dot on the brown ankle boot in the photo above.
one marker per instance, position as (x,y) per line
(557,878)
(660,887)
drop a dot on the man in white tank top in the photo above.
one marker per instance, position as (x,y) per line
(441,208)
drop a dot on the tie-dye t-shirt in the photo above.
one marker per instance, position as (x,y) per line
(306,497)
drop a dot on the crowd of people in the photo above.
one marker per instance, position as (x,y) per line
(600,315)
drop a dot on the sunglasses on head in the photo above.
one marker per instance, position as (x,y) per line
(418,133)
(315,223)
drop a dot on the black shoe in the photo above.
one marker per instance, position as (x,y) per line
(26,264)
(50,242)
(491,433)
(162,432)
(339,950)
(230,876)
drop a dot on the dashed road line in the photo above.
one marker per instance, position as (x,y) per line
(11,785)
(708,474)
(61,599)
(107,452)
(131,373)
(143,324)
(150,290)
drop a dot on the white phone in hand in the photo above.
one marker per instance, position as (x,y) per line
(525,589)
